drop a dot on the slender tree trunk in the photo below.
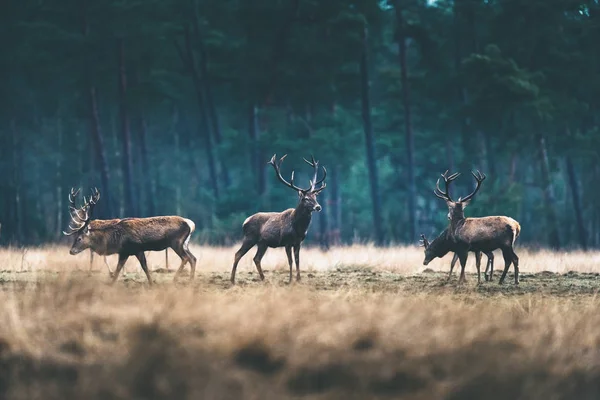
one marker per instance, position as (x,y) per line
(256,157)
(336,202)
(409,137)
(127,165)
(190,60)
(208,96)
(551,217)
(147,175)
(369,140)
(16,164)
(95,128)
(59,184)
(573,184)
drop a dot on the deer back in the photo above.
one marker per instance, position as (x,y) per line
(131,235)
(488,232)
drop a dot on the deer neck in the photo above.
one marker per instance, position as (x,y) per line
(301,219)
(456,223)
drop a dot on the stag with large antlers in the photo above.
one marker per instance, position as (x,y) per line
(282,229)
(130,236)
(484,234)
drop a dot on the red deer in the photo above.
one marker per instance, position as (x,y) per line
(282,229)
(484,234)
(442,245)
(131,236)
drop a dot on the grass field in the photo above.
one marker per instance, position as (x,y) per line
(363,323)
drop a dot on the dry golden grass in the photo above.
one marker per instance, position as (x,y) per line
(364,323)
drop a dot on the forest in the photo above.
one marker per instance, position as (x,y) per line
(175,107)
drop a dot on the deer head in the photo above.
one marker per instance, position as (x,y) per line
(80,220)
(456,208)
(307,197)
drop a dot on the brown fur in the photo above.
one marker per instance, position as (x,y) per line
(484,234)
(443,244)
(281,229)
(134,236)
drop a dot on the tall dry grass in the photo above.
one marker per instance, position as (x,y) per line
(63,335)
(398,259)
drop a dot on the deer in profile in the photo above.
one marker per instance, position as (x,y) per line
(282,229)
(443,244)
(130,236)
(484,234)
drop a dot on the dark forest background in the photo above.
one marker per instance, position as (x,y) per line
(175,106)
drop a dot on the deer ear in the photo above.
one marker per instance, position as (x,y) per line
(300,193)
(86,230)
(465,204)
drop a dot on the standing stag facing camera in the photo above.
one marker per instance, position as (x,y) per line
(484,234)
(130,236)
(282,229)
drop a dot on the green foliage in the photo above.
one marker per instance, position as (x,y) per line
(486,80)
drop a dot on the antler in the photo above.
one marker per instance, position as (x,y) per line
(81,216)
(479,177)
(447,179)
(313,183)
(424,242)
(277,167)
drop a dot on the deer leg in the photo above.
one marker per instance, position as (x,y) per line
(246,245)
(110,273)
(463,262)
(297,256)
(180,251)
(489,266)
(507,254)
(262,249)
(192,261)
(478,266)
(122,259)
(454,259)
(91,261)
(142,259)
(167,258)
(515,260)
(288,251)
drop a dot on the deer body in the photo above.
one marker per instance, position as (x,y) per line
(443,244)
(487,234)
(130,236)
(484,234)
(281,229)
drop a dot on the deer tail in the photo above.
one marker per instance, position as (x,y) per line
(516,231)
(192,226)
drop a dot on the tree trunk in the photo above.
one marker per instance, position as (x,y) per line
(147,176)
(210,101)
(59,183)
(573,184)
(409,138)
(336,206)
(127,165)
(258,164)
(369,140)
(190,60)
(96,131)
(16,164)
(551,217)
(324,222)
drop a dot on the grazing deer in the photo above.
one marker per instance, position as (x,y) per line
(443,244)
(282,229)
(484,234)
(130,236)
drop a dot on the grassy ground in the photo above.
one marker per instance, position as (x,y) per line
(363,323)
